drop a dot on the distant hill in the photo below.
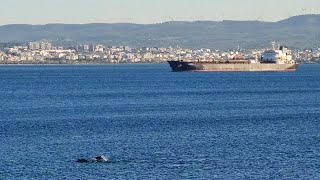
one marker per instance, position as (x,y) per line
(296,32)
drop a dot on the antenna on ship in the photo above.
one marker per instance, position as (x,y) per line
(273,45)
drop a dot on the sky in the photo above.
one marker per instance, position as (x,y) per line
(149,11)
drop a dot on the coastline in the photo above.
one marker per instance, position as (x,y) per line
(96,63)
(62,64)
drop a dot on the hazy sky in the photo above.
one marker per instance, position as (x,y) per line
(149,11)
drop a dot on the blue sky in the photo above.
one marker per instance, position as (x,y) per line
(149,11)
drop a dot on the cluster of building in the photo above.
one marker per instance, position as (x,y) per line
(46,53)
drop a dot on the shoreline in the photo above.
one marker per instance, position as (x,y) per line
(62,64)
(80,64)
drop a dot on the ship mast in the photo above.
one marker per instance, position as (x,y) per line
(273,45)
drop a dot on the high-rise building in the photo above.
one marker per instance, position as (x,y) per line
(92,48)
(45,46)
(39,45)
(86,47)
(33,45)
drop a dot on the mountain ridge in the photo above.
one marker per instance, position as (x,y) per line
(298,32)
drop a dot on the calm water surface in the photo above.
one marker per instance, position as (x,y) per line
(156,124)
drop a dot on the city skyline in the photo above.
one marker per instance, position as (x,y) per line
(42,52)
(146,12)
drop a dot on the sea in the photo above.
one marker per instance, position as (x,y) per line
(156,124)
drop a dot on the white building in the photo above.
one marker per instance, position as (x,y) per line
(39,45)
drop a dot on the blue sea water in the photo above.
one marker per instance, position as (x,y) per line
(156,124)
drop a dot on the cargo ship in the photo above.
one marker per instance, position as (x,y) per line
(269,60)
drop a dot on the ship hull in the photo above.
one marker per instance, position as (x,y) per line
(178,66)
